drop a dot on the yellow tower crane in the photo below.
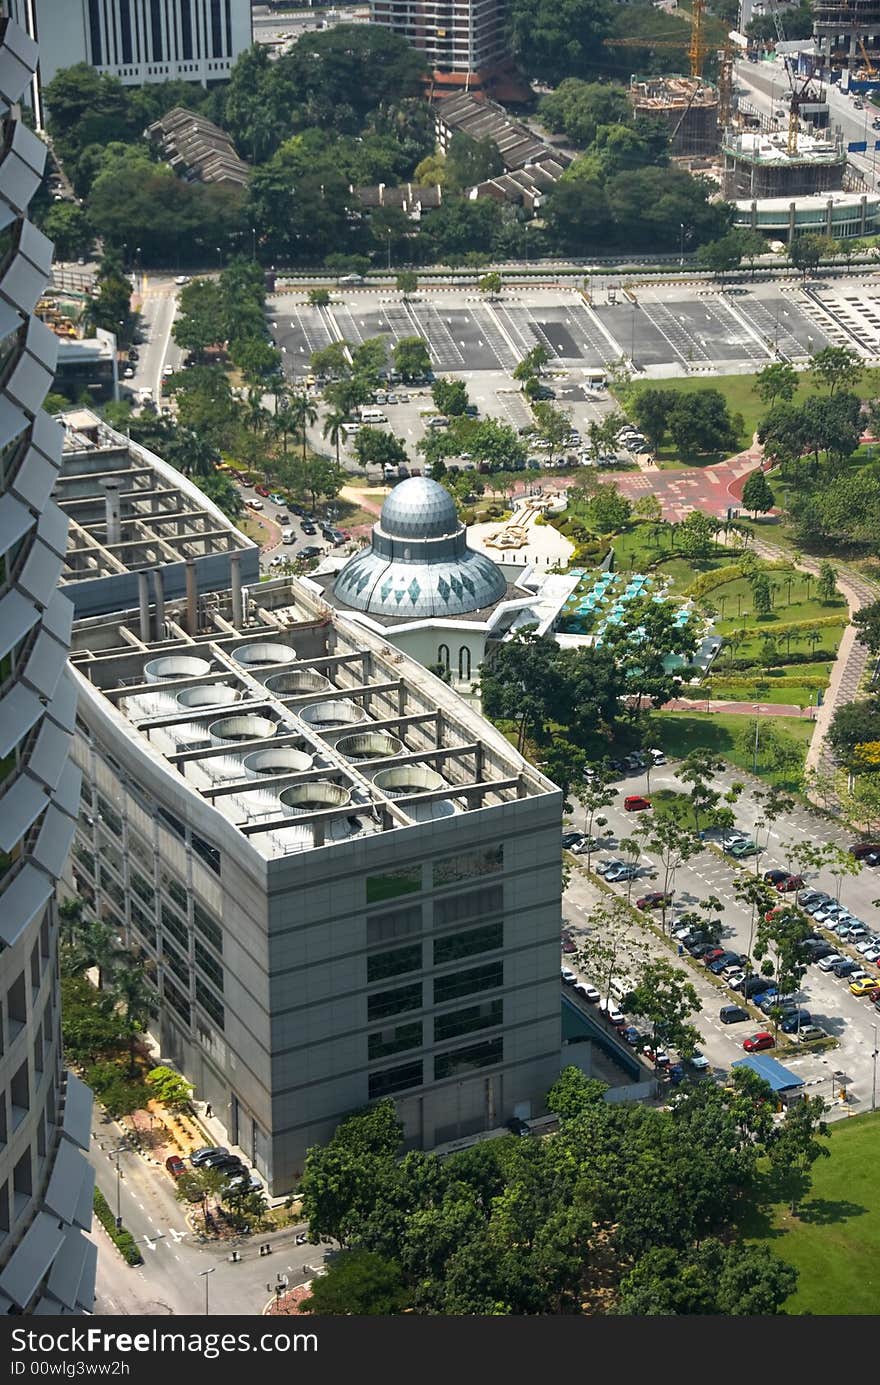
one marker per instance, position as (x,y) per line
(697,48)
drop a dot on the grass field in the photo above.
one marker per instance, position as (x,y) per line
(681,732)
(834,1242)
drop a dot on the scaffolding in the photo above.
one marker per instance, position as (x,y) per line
(687,107)
(759,164)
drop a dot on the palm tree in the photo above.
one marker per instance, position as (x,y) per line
(70,921)
(255,416)
(99,946)
(284,423)
(138,1003)
(305,414)
(332,430)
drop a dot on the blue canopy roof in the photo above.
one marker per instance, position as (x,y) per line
(781,1079)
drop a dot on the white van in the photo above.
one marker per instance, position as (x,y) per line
(373,416)
(620,988)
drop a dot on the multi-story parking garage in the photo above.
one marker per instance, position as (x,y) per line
(343,882)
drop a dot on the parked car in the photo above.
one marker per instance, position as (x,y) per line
(753,985)
(311,550)
(699,1061)
(731,835)
(607,864)
(795,1020)
(308,527)
(732,1014)
(756,1042)
(288,536)
(609,1009)
(632,1035)
(830,960)
(626,871)
(230,1166)
(517,1126)
(676,1073)
(249,1179)
(570,839)
(636,803)
(862,849)
(588,993)
(811,1032)
(206,1153)
(568,976)
(865,985)
(654,900)
(791,882)
(713,954)
(698,949)
(277,499)
(822,950)
(733,978)
(726,960)
(586,845)
(845,967)
(742,848)
(175,1165)
(774,876)
(254,504)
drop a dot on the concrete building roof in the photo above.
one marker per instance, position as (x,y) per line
(128,510)
(294,727)
(198,149)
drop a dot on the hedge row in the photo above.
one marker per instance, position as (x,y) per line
(800,656)
(810,681)
(821,622)
(122,1239)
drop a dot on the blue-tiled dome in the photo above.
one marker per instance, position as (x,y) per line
(419,509)
(418,564)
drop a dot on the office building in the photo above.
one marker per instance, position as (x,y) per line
(343,883)
(137,41)
(47,1266)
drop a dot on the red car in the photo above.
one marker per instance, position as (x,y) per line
(712,955)
(791,882)
(635,803)
(261,490)
(175,1165)
(762,1039)
(655,900)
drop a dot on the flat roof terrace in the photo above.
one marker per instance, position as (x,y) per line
(298,728)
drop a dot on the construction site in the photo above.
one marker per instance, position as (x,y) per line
(687,107)
(759,164)
(847,34)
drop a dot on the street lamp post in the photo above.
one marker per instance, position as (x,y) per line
(115,1155)
(204,1275)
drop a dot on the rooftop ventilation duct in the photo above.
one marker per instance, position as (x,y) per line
(304,680)
(264,652)
(244,728)
(208,695)
(175,666)
(369,745)
(282,760)
(315,797)
(326,716)
(402,780)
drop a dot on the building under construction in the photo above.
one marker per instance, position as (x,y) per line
(847,34)
(687,108)
(759,163)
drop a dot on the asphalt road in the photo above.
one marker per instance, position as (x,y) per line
(171,1279)
(157,294)
(849,1019)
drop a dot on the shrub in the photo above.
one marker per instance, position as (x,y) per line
(121,1238)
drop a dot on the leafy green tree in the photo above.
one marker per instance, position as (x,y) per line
(339,1183)
(578,108)
(201,319)
(120,1094)
(712,1278)
(333,430)
(609,511)
(796,1147)
(805,252)
(651,409)
(374,446)
(722,256)
(674,845)
(304,413)
(761,595)
(411,357)
(641,643)
(471,161)
(91,1025)
(332,361)
(200,1185)
(613,935)
(319,298)
(573,1092)
(826,587)
(317,477)
(700,421)
(779,380)
(407,282)
(67,226)
(521,680)
(359,1282)
(695,535)
(169,1088)
(837,368)
(489,285)
(554,426)
(867,622)
(757,495)
(699,769)
(532,363)
(450,397)
(138,1002)
(666,999)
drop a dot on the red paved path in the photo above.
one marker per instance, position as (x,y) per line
(761,709)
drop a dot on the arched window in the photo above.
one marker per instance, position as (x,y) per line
(443,656)
(464,663)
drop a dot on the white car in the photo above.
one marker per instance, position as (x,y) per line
(254,504)
(610,1010)
(181,280)
(872,954)
(588,992)
(287,536)
(657,756)
(700,1061)
(826,963)
(569,976)
(278,560)
(735,979)
(168,370)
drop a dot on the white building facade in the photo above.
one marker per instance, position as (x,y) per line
(47,1265)
(137,41)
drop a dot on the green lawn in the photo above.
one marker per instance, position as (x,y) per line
(835,1241)
(681,732)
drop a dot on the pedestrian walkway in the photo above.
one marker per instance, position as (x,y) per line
(761,709)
